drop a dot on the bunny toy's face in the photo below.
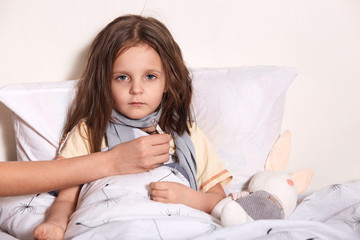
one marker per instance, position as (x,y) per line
(281,185)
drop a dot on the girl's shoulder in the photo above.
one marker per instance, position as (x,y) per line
(196,134)
(82,127)
(193,128)
(80,130)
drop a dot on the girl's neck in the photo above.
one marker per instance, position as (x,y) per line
(149,130)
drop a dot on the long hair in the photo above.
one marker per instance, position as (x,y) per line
(93,101)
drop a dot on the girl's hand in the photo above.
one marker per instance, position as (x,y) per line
(172,192)
(141,154)
(48,231)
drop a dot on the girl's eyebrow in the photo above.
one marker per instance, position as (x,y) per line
(145,71)
(119,72)
(154,70)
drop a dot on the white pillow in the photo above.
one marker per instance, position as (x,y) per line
(39,111)
(239,109)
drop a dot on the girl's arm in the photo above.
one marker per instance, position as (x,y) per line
(139,155)
(171,192)
(58,216)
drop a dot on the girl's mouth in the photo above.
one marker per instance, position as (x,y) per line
(136,104)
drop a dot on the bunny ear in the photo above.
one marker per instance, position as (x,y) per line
(280,153)
(302,179)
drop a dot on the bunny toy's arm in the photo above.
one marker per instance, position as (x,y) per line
(257,205)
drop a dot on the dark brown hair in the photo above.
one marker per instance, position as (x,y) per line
(93,102)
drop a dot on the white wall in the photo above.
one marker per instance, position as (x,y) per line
(45,40)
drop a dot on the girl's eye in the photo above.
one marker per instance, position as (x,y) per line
(122,78)
(150,77)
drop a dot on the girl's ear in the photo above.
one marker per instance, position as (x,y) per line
(302,179)
(166,88)
(280,153)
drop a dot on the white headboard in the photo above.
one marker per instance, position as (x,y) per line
(45,40)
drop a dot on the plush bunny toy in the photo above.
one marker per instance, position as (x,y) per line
(272,193)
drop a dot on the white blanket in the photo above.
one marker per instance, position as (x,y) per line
(331,213)
(121,206)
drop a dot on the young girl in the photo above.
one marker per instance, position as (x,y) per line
(136,84)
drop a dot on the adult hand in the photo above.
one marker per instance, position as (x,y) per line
(141,154)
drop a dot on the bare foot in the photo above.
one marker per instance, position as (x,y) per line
(48,231)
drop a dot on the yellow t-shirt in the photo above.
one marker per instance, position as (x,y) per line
(210,169)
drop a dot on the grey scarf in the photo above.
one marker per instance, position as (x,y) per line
(120,129)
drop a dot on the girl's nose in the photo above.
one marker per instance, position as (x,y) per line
(136,87)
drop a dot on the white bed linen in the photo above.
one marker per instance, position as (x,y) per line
(5,236)
(332,213)
(123,202)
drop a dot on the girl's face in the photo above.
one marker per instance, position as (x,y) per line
(138,81)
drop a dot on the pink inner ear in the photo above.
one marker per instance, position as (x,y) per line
(290,182)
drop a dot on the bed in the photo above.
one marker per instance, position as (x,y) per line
(239,109)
